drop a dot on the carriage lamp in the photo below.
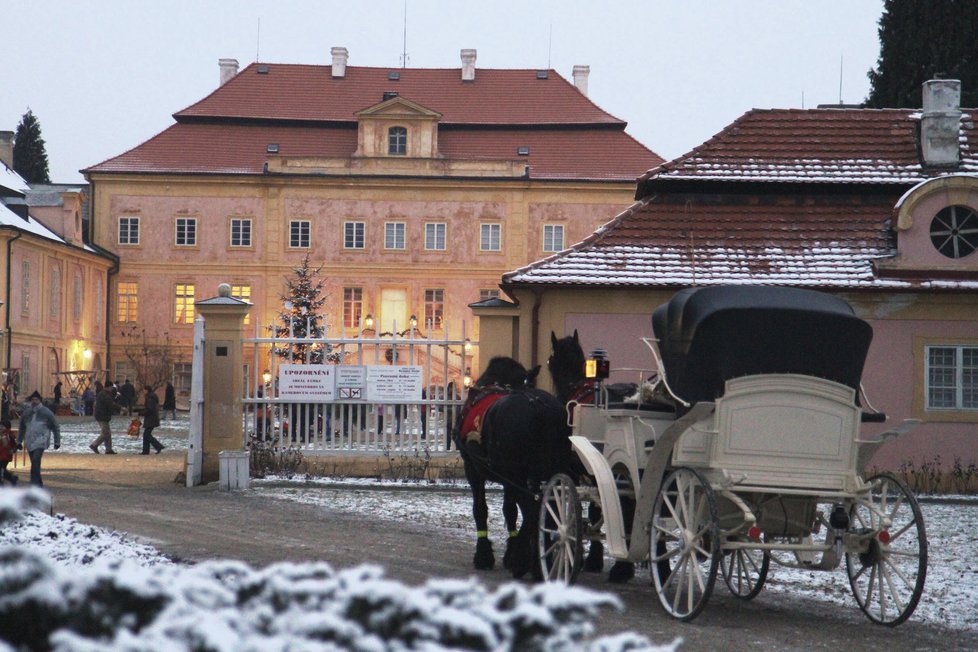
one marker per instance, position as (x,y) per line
(597,365)
(467,379)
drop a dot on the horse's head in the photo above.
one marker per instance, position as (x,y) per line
(566,363)
(503,371)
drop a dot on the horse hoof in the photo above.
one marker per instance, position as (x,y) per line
(621,572)
(483,559)
(594,562)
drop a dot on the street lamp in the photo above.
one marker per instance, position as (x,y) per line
(467,378)
(266,376)
(414,321)
(368,323)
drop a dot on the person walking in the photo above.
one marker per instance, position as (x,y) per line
(37,423)
(170,401)
(57,395)
(104,407)
(151,419)
(127,396)
(8,448)
(88,398)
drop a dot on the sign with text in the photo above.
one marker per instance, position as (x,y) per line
(306,382)
(394,384)
(351,383)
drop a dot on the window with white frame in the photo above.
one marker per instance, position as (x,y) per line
(397,141)
(553,237)
(299,234)
(182,373)
(434,236)
(394,235)
(76,299)
(127,297)
(184,304)
(952,377)
(490,237)
(25,288)
(54,310)
(129,230)
(486,294)
(240,232)
(352,307)
(242,292)
(186,232)
(434,307)
(353,235)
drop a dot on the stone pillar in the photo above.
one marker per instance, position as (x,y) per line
(223,374)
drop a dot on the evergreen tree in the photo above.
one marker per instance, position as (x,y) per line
(921,40)
(301,311)
(30,157)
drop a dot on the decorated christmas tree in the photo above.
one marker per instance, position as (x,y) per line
(302,318)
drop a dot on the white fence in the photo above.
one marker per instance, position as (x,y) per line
(356,426)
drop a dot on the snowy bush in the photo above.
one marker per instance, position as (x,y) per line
(124,604)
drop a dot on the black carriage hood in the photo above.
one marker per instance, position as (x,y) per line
(710,335)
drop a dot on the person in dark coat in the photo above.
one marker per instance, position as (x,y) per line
(170,401)
(104,409)
(127,396)
(37,424)
(5,402)
(57,394)
(151,419)
(88,398)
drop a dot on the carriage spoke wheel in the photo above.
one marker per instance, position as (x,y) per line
(561,531)
(684,543)
(887,577)
(744,570)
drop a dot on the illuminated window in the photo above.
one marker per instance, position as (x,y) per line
(394,237)
(129,230)
(353,235)
(127,296)
(553,237)
(952,377)
(434,308)
(241,233)
(299,234)
(434,236)
(184,304)
(352,307)
(242,292)
(489,237)
(397,141)
(186,233)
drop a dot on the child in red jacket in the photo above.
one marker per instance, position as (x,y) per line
(8,448)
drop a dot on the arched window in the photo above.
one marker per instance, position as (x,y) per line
(397,141)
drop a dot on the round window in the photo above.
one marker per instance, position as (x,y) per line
(954,231)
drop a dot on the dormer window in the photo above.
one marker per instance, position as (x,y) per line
(954,231)
(397,141)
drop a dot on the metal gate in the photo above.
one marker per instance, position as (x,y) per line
(357,426)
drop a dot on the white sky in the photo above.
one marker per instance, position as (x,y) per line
(103,76)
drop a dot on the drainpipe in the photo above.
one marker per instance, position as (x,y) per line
(10,331)
(535,326)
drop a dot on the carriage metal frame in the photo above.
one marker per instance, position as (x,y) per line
(769,469)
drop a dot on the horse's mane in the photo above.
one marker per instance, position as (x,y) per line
(503,371)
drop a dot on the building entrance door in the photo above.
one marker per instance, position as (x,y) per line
(393,309)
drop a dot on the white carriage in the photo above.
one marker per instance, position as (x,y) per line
(755,458)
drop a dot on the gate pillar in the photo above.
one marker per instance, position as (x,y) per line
(223,378)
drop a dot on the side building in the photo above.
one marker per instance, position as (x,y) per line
(413,189)
(877,206)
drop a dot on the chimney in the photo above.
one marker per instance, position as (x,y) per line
(229,68)
(340,55)
(580,78)
(7,148)
(940,122)
(468,65)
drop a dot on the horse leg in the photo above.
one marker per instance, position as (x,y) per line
(622,571)
(510,512)
(483,559)
(525,556)
(594,562)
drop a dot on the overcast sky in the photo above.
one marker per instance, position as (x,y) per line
(103,76)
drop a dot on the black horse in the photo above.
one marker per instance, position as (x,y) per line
(566,365)
(514,434)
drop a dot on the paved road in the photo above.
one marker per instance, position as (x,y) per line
(136,494)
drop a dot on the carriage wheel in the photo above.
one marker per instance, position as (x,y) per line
(561,539)
(887,577)
(744,571)
(684,543)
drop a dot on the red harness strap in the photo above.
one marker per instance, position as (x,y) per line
(475,409)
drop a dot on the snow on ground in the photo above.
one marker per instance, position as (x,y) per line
(950,595)
(78,432)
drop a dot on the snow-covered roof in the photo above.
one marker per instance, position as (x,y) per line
(11,180)
(32,226)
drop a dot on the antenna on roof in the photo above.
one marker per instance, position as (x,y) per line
(550,43)
(258,40)
(404,55)
(841,60)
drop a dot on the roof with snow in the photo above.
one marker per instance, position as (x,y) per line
(11,181)
(818,214)
(309,113)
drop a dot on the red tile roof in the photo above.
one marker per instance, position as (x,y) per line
(814,146)
(789,242)
(310,93)
(310,114)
